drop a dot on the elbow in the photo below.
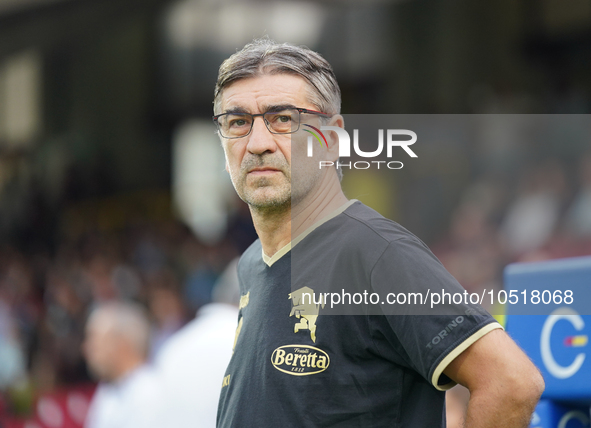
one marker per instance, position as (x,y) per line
(526,387)
(539,384)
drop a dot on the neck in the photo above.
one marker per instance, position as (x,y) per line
(273,228)
(276,228)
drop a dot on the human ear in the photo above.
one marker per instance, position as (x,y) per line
(333,139)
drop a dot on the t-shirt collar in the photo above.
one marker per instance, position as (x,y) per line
(285,249)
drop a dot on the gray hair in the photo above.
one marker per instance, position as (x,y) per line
(265,56)
(128,320)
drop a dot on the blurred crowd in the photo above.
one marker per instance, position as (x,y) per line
(544,214)
(45,299)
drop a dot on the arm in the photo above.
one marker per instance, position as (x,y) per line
(504,384)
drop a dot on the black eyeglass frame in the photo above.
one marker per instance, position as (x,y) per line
(299,109)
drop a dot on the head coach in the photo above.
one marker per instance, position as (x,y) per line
(291,365)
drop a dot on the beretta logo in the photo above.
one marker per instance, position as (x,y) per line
(300,360)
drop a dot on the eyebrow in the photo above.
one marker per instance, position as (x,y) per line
(236,110)
(266,109)
(278,107)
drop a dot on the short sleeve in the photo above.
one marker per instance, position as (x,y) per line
(423,338)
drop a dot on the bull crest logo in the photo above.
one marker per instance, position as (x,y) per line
(305,310)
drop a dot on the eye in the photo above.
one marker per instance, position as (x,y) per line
(238,122)
(279,118)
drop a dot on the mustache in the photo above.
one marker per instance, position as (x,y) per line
(264,161)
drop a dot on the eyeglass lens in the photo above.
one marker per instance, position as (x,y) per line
(234,125)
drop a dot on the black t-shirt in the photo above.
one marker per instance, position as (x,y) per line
(296,364)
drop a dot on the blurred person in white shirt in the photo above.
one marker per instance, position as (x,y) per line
(192,363)
(116,348)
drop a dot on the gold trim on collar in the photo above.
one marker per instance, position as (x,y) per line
(283,251)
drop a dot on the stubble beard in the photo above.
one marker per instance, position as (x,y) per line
(303,184)
(263,194)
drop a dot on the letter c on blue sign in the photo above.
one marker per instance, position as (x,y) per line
(552,366)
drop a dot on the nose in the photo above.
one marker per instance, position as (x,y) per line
(260,140)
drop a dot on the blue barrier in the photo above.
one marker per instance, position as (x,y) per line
(549,414)
(540,288)
(555,334)
(557,342)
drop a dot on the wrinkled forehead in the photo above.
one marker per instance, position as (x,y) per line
(266,90)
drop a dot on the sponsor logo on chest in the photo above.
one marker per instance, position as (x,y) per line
(300,360)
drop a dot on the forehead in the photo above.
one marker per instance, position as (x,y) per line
(255,94)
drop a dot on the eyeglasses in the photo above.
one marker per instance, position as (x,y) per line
(286,121)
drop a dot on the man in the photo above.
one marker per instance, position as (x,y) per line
(116,347)
(294,366)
